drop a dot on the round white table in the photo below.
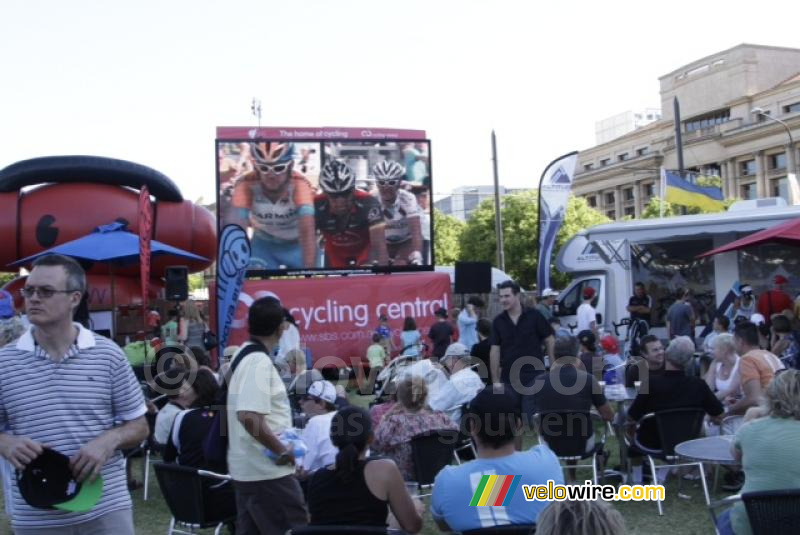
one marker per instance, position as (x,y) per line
(714,450)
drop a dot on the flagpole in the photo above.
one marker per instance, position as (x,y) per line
(498,222)
(661,185)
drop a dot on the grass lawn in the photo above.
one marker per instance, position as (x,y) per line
(681,516)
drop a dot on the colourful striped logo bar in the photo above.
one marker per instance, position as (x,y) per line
(495,490)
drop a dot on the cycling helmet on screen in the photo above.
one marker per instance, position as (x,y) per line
(337,177)
(271,153)
(388,170)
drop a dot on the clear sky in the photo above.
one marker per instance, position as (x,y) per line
(149,81)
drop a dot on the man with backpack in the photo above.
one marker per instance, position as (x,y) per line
(268,496)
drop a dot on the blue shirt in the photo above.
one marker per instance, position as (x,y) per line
(455,485)
(411,341)
(467,331)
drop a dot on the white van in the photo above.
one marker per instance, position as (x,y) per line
(662,254)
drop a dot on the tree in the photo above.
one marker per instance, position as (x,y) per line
(447,238)
(196,281)
(520,219)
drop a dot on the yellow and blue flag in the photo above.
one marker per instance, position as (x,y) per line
(680,191)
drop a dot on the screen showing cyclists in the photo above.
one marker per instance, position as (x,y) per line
(330,205)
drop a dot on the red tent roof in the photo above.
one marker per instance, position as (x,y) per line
(787,232)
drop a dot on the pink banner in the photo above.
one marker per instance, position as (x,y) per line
(336,316)
(316,132)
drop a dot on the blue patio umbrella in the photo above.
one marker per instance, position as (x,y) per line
(111,244)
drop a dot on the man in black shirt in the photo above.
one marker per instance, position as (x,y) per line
(651,362)
(672,390)
(516,356)
(441,333)
(480,351)
(640,303)
(568,386)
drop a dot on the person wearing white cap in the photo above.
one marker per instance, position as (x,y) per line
(545,305)
(319,402)
(745,304)
(462,386)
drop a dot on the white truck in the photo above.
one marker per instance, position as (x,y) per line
(662,254)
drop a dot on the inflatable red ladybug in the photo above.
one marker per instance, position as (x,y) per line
(47,201)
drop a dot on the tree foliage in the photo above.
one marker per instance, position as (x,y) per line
(520,216)
(447,238)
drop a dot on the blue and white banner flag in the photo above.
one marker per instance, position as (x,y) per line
(233,257)
(554,189)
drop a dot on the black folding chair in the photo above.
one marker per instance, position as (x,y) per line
(567,433)
(508,529)
(770,512)
(674,426)
(431,451)
(182,488)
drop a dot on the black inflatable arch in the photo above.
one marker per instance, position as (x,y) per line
(94,169)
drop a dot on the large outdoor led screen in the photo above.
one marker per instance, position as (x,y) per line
(312,206)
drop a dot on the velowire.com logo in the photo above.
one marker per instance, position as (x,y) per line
(495,490)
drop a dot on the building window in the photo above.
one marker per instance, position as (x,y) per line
(650,190)
(777,161)
(749,191)
(792,108)
(604,162)
(588,166)
(643,151)
(630,211)
(747,168)
(627,194)
(622,157)
(707,120)
(780,188)
(592,201)
(610,198)
(611,214)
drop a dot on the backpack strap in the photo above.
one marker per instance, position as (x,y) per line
(254,347)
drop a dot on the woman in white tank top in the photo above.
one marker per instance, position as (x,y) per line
(723,375)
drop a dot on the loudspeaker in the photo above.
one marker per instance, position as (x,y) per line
(473,277)
(177,283)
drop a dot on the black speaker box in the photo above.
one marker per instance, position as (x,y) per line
(177,283)
(473,278)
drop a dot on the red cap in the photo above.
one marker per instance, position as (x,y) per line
(609,344)
(588,292)
(780,279)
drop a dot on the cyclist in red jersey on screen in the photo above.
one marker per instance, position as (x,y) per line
(278,204)
(348,219)
(401,213)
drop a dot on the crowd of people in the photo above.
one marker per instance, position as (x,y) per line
(336,221)
(298,452)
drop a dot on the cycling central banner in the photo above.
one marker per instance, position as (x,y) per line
(336,316)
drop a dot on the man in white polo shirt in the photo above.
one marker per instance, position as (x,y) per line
(268,496)
(71,390)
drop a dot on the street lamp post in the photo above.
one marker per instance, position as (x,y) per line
(791,164)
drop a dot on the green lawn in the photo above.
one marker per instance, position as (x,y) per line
(681,516)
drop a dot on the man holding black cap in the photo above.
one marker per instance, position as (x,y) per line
(493,421)
(72,390)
